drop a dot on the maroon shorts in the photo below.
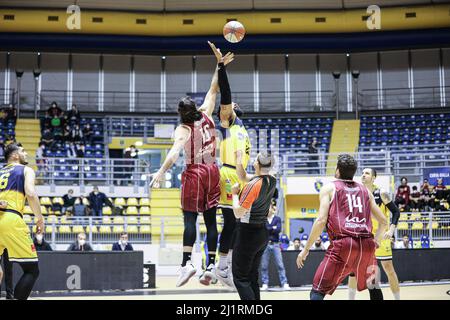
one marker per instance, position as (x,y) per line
(343,257)
(200,187)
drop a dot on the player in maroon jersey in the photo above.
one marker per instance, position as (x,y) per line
(345,209)
(200,189)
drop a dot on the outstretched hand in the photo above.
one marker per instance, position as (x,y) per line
(221,58)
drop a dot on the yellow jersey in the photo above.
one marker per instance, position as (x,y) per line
(12,187)
(234,138)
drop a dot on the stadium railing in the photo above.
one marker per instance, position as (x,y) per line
(88,171)
(412,165)
(401,98)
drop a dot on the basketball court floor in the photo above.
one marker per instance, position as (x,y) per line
(193,290)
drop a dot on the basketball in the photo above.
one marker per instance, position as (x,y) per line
(233,31)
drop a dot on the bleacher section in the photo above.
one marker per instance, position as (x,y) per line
(94,150)
(144,216)
(403,130)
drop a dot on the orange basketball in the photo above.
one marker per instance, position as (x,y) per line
(234,31)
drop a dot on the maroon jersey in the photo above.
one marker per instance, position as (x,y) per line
(201,148)
(349,214)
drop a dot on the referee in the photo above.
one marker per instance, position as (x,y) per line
(251,236)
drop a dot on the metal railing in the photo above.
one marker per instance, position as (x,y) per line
(107,229)
(435,225)
(306,164)
(412,165)
(400,98)
(407,148)
(85,171)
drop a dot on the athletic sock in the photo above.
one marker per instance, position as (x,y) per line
(223,262)
(186,258)
(212,259)
(351,294)
(396,295)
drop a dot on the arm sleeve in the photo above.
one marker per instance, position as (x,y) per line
(225,91)
(395,212)
(250,194)
(278,230)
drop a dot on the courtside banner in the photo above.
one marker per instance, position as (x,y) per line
(436,173)
(312,185)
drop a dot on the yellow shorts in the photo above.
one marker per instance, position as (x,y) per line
(384,252)
(15,236)
(228,177)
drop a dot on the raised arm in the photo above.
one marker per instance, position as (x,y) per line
(240,170)
(325,196)
(226,107)
(210,99)
(33,199)
(182,135)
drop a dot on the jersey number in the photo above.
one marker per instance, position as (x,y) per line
(206,135)
(354,202)
(4,180)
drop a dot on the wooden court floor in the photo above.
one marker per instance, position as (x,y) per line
(193,290)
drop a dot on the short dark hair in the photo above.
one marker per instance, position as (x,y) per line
(10,149)
(188,110)
(347,166)
(374,172)
(296,239)
(123,234)
(404,178)
(414,188)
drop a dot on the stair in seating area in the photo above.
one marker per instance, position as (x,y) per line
(28,133)
(344,139)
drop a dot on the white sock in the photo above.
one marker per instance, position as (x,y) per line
(223,260)
(396,295)
(351,294)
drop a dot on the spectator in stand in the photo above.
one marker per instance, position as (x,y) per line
(403,194)
(325,241)
(405,243)
(425,196)
(97,199)
(313,150)
(48,138)
(80,244)
(318,245)
(72,151)
(295,245)
(69,201)
(54,110)
(40,244)
(440,189)
(80,150)
(122,244)
(128,168)
(66,134)
(73,116)
(11,114)
(76,134)
(88,134)
(40,159)
(414,198)
(80,209)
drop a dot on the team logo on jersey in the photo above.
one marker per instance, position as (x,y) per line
(33,248)
(318,185)
(355,222)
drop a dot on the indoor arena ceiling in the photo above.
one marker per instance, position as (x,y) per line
(209,5)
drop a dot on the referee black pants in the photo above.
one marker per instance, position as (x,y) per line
(249,245)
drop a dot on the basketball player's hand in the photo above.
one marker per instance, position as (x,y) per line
(156,180)
(220,58)
(238,154)
(235,189)
(301,258)
(40,225)
(3,204)
(388,235)
(377,243)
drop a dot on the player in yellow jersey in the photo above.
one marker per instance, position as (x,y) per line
(384,251)
(234,137)
(17,184)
